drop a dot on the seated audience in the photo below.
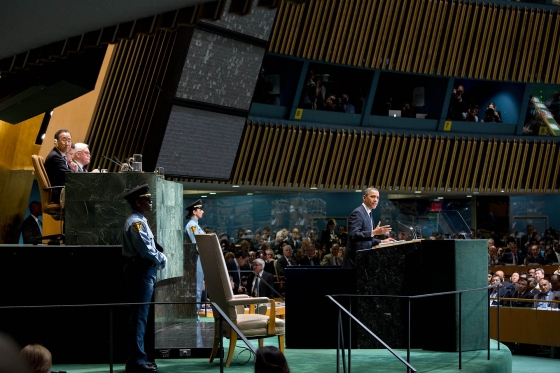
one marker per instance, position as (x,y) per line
(38,357)
(269,262)
(534,256)
(522,292)
(328,235)
(294,239)
(500,291)
(532,282)
(309,259)
(270,359)
(545,294)
(234,269)
(256,286)
(332,259)
(56,164)
(492,255)
(31,227)
(512,256)
(285,260)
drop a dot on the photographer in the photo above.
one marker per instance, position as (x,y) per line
(408,111)
(458,104)
(492,114)
(472,113)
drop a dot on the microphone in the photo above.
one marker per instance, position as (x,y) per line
(110,160)
(406,227)
(117,160)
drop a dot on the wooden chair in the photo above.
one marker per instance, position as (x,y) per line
(45,190)
(278,280)
(253,326)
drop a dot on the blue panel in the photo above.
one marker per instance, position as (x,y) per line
(403,123)
(269,111)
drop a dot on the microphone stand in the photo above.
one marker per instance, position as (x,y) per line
(111,160)
(410,229)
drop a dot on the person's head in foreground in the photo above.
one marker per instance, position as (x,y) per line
(270,359)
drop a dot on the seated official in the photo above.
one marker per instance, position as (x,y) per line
(500,291)
(545,293)
(256,286)
(56,164)
(309,259)
(332,259)
(234,269)
(522,292)
(534,256)
(82,156)
(513,256)
(285,261)
(269,261)
(31,227)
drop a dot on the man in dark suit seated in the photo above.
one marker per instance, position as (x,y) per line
(31,227)
(234,269)
(309,258)
(256,286)
(332,259)
(522,292)
(285,260)
(56,164)
(501,290)
(512,256)
(361,228)
(535,256)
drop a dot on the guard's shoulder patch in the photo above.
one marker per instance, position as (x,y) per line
(137,226)
(193,228)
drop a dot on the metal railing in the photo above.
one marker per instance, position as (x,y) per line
(223,317)
(410,368)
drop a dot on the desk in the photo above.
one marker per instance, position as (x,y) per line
(508,270)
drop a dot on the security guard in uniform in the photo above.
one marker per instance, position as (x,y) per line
(144,257)
(195,212)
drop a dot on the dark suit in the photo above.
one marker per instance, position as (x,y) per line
(30,230)
(305,261)
(232,270)
(508,258)
(80,168)
(551,257)
(526,295)
(504,293)
(282,263)
(264,291)
(539,259)
(326,239)
(360,227)
(56,167)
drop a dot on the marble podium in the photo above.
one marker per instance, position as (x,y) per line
(422,268)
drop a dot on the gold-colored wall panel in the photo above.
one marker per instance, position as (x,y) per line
(348,159)
(461,38)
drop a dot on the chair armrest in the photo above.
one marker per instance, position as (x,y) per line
(248,300)
(272,318)
(54,187)
(237,296)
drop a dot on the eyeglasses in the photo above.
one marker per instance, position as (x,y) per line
(66,141)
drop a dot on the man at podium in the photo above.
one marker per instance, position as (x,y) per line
(362,228)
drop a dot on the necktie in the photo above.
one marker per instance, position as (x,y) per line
(40,224)
(335,261)
(514,259)
(371,220)
(311,261)
(257,286)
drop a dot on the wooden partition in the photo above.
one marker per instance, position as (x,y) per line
(526,325)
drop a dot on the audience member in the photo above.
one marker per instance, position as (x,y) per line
(269,262)
(458,104)
(309,259)
(299,256)
(544,294)
(472,113)
(534,256)
(56,164)
(294,239)
(522,292)
(234,269)
(512,256)
(285,260)
(270,359)
(492,255)
(532,283)
(32,226)
(38,357)
(255,285)
(328,235)
(82,156)
(500,291)
(332,259)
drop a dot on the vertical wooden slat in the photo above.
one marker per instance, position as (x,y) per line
(523,154)
(547,20)
(356,31)
(488,42)
(299,157)
(293,155)
(317,155)
(553,188)
(268,149)
(243,146)
(460,165)
(335,155)
(474,57)
(249,146)
(392,48)
(416,17)
(285,161)
(358,176)
(348,164)
(549,168)
(482,182)
(318,46)
(523,44)
(360,49)
(339,30)
(423,40)
(435,46)
(469,166)
(413,155)
(375,62)
(310,154)
(340,160)
(396,180)
(379,169)
(277,29)
(503,169)
(530,168)
(401,57)
(310,21)
(419,166)
(507,186)
(498,42)
(556,55)
(457,38)
(369,152)
(515,159)
(437,154)
(445,51)
(275,157)
(530,68)
(452,166)
(538,149)
(510,42)
(444,161)
(541,186)
(389,41)
(395,158)
(496,164)
(325,157)
(388,164)
(378,146)
(374,37)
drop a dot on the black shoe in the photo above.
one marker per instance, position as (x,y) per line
(145,368)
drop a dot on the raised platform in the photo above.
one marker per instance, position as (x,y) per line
(312,361)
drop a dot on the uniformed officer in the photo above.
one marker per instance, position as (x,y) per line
(195,212)
(144,258)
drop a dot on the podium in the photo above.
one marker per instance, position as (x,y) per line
(423,267)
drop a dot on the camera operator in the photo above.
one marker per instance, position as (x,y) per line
(458,105)
(492,114)
(472,113)
(408,111)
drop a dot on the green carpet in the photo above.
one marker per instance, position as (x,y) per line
(307,361)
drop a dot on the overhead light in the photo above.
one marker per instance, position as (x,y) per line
(469,196)
(249,194)
(235,186)
(212,192)
(417,191)
(475,192)
(203,196)
(313,188)
(502,190)
(358,191)
(440,198)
